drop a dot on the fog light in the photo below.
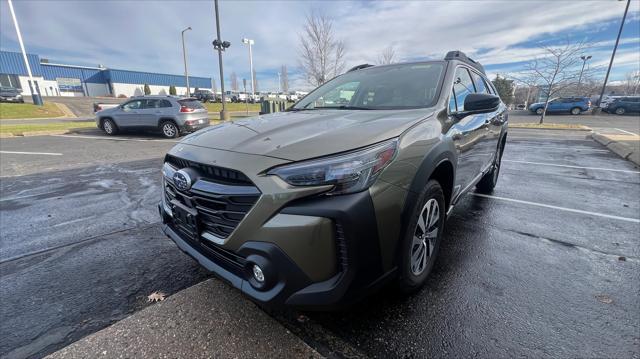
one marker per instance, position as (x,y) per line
(257,273)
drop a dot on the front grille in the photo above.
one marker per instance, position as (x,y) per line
(219,206)
(212,173)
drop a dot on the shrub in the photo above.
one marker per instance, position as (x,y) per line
(172,90)
(147,90)
(122,96)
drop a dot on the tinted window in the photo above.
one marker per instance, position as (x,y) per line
(152,104)
(133,105)
(481,85)
(194,104)
(452,102)
(165,103)
(462,87)
(384,87)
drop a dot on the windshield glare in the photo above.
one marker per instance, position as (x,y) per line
(379,88)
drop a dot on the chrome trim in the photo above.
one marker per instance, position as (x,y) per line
(212,238)
(211,187)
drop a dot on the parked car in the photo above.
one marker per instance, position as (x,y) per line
(622,105)
(97,106)
(10,94)
(572,105)
(607,99)
(321,204)
(204,96)
(171,115)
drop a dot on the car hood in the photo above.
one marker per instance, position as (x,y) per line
(307,134)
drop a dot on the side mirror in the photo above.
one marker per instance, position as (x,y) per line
(476,103)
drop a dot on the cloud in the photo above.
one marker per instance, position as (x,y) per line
(145,35)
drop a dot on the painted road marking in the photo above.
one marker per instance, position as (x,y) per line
(561,148)
(627,132)
(32,153)
(117,138)
(627,219)
(569,166)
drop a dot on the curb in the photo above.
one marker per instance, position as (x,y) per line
(515,126)
(619,148)
(40,133)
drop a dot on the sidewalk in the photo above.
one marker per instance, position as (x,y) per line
(210,319)
(625,146)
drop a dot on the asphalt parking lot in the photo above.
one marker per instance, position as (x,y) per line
(547,266)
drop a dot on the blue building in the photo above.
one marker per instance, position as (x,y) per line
(53,79)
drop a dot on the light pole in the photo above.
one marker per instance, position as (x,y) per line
(279,84)
(613,54)
(221,46)
(35,94)
(184,55)
(584,61)
(250,42)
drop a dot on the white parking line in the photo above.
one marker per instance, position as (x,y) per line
(543,147)
(32,153)
(627,132)
(627,219)
(569,166)
(117,138)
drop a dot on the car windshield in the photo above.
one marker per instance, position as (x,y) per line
(379,88)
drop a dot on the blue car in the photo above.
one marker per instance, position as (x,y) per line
(572,105)
(623,105)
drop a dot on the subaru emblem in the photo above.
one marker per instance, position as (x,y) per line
(182,180)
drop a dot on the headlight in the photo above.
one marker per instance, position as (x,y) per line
(350,172)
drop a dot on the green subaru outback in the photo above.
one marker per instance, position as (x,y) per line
(350,188)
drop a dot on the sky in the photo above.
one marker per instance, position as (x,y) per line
(145,35)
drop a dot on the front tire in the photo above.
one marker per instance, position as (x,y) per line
(620,111)
(109,127)
(169,129)
(420,244)
(575,111)
(539,111)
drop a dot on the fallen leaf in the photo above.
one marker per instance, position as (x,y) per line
(603,298)
(622,259)
(156,297)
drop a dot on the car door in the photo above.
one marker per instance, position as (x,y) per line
(128,115)
(467,132)
(493,121)
(150,113)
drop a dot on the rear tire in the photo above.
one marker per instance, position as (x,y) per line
(169,129)
(109,127)
(420,244)
(576,111)
(620,111)
(490,179)
(539,111)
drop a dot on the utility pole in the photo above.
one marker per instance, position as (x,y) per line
(584,61)
(221,46)
(279,84)
(184,55)
(613,54)
(35,92)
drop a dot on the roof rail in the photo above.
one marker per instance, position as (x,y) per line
(461,56)
(359,67)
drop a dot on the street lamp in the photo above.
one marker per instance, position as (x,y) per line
(250,42)
(35,94)
(279,83)
(184,55)
(221,46)
(584,61)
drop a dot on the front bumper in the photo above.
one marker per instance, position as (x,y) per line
(359,265)
(12,99)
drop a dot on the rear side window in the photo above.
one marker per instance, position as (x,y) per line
(165,103)
(481,84)
(462,87)
(193,104)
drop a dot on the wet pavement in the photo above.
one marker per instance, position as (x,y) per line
(547,266)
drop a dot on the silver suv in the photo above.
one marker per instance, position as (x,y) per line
(171,115)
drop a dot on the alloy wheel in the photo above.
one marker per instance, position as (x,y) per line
(425,236)
(169,129)
(108,128)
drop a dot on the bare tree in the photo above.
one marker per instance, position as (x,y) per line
(321,54)
(387,56)
(631,82)
(234,81)
(284,79)
(557,70)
